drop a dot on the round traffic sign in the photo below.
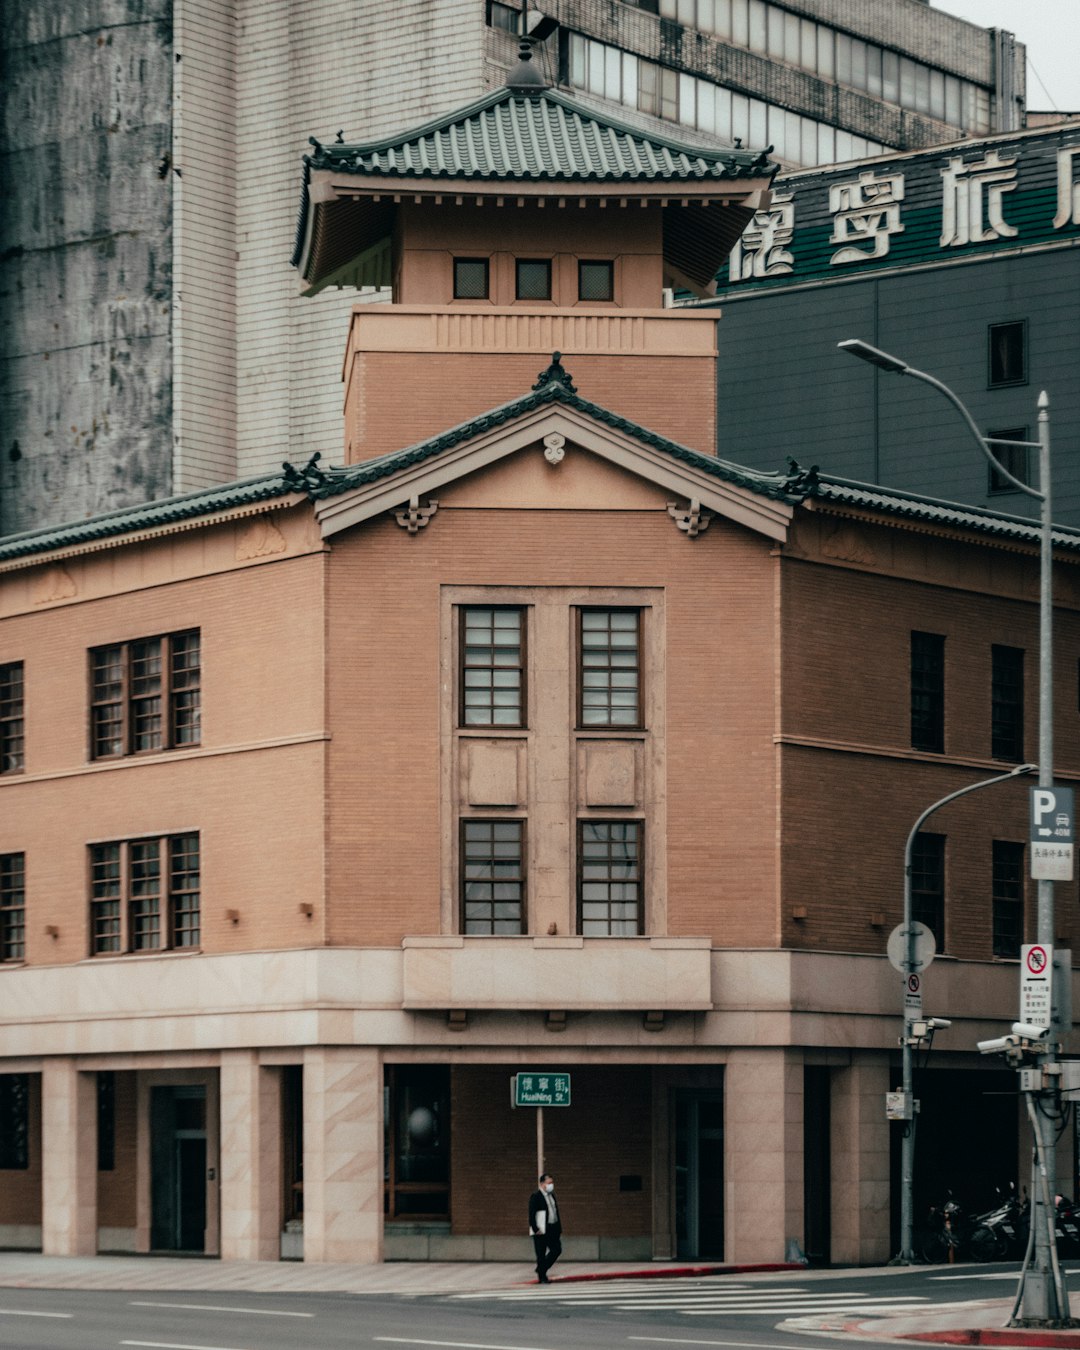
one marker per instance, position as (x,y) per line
(924,948)
(1036,960)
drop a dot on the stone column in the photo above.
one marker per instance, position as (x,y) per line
(250,1158)
(763,1154)
(343,1155)
(68,1160)
(860,1162)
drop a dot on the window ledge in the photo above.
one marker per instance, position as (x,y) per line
(627,974)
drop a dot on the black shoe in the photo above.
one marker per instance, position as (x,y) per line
(543,1279)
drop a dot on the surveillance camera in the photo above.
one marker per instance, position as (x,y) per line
(1028,1031)
(938,1023)
(997,1045)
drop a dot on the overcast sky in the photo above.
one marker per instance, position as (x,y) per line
(1051,30)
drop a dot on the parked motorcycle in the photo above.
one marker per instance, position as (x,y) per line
(945,1233)
(1002,1232)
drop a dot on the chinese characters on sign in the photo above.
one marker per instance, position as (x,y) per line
(762,251)
(865,212)
(971,210)
(541,1089)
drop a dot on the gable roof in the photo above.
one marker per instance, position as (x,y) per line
(392,478)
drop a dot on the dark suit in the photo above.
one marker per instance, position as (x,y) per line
(548,1244)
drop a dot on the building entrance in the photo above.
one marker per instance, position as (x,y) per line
(178,1169)
(699,1174)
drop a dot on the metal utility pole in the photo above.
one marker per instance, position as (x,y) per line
(1042,1294)
(913,965)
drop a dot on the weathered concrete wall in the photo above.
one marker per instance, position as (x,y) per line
(85,258)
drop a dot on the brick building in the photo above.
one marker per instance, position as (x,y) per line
(532,738)
(152,344)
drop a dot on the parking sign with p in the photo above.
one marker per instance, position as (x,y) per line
(1052,833)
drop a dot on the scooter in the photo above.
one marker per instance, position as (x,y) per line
(1000,1232)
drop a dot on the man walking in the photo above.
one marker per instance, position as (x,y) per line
(545,1226)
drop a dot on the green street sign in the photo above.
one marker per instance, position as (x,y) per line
(541,1089)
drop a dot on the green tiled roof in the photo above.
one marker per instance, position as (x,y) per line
(131,519)
(542,134)
(550,388)
(554,386)
(908,506)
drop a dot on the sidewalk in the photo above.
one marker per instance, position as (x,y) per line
(982,1323)
(30,1270)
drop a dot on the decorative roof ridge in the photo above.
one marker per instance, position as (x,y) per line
(327,156)
(439,123)
(126,520)
(812,483)
(553,385)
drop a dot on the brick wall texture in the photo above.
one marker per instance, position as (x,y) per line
(582,1152)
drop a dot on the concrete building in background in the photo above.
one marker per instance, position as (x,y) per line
(152,341)
(535,740)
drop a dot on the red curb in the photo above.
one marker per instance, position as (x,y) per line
(1005,1336)
(674,1272)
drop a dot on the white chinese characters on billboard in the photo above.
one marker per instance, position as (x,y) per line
(866,210)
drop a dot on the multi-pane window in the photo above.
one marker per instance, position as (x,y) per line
(492,674)
(145,894)
(928,884)
(493,876)
(12,906)
(471,280)
(928,692)
(1007,703)
(1008,898)
(1013,458)
(1007,353)
(11,717)
(533,279)
(660,91)
(14,1121)
(609,878)
(596,281)
(144,695)
(609,655)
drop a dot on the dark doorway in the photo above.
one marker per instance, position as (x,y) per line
(699,1174)
(966,1141)
(817,1176)
(178,1169)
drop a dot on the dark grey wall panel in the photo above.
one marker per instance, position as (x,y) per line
(789,387)
(85,259)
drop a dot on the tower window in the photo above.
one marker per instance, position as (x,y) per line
(533,279)
(471,279)
(596,281)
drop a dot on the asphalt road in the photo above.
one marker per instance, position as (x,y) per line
(743,1313)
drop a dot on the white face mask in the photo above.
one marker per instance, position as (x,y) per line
(549,1186)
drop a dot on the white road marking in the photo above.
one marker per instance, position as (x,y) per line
(210,1307)
(454,1345)
(175,1345)
(19,1312)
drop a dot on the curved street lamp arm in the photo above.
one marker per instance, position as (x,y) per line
(979,437)
(1018,772)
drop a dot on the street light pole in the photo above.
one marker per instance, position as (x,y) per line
(907,1255)
(1045,1298)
